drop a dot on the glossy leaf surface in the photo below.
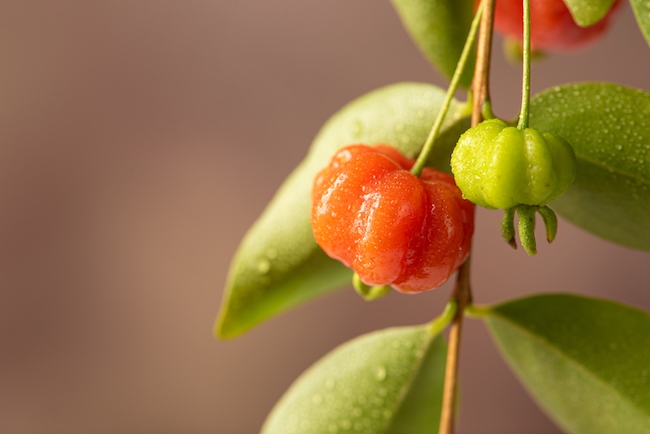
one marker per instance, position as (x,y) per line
(440,28)
(385,382)
(588,12)
(586,361)
(278,264)
(642,12)
(609,128)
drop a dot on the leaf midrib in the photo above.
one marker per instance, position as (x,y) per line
(612,169)
(430,338)
(574,362)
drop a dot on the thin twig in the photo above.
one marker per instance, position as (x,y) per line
(453,85)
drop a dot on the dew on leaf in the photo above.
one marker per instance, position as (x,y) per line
(380,373)
(263,266)
(357,129)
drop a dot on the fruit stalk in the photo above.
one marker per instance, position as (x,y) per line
(525,82)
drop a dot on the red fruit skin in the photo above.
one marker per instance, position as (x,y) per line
(552,27)
(391,227)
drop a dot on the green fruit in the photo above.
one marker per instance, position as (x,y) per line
(499,166)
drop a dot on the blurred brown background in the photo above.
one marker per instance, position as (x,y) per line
(140,139)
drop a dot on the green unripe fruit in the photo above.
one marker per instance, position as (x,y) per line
(499,166)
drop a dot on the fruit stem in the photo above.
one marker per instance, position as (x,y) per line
(525,82)
(451,90)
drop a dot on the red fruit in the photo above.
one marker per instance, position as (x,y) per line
(551,25)
(391,227)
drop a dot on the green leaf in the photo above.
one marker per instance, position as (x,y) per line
(588,12)
(586,361)
(440,28)
(641,10)
(609,128)
(386,382)
(278,264)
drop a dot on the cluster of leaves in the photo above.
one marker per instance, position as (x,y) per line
(586,361)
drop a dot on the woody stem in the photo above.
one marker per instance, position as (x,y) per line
(462,294)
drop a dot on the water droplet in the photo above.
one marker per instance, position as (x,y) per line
(380,372)
(317,399)
(272,254)
(346,424)
(263,266)
(357,129)
(330,383)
